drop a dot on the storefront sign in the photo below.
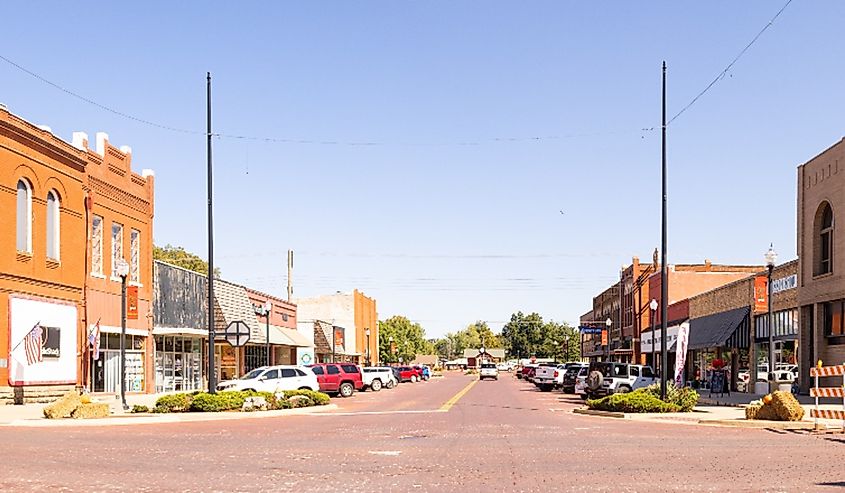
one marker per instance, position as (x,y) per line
(681,351)
(304,355)
(51,347)
(604,337)
(761,298)
(784,283)
(590,330)
(132,302)
(59,342)
(338,336)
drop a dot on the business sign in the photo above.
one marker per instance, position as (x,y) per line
(681,357)
(647,336)
(590,330)
(59,325)
(132,302)
(305,355)
(761,297)
(784,283)
(604,337)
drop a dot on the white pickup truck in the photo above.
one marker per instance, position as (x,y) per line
(545,375)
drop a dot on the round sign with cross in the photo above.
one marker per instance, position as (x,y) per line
(237,333)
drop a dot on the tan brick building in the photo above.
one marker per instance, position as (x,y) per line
(821,277)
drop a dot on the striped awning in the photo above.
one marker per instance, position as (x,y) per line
(725,329)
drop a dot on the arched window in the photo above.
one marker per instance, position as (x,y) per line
(53,229)
(24,217)
(824,240)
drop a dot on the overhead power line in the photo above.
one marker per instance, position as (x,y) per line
(730,65)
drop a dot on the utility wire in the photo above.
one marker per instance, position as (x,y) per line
(730,65)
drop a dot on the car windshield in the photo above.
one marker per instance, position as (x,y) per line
(488,365)
(253,374)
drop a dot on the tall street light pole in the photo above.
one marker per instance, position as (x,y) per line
(268,309)
(771,258)
(608,323)
(664,281)
(212,375)
(122,270)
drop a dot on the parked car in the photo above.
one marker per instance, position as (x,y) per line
(488,370)
(273,379)
(616,378)
(397,375)
(567,382)
(503,367)
(527,371)
(409,374)
(338,378)
(581,382)
(544,376)
(424,372)
(376,377)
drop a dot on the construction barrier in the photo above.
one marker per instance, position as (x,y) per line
(816,391)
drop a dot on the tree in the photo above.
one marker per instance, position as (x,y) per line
(408,340)
(527,335)
(180,258)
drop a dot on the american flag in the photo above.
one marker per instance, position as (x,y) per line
(32,344)
(94,341)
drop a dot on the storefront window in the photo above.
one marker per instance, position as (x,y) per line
(106,369)
(178,366)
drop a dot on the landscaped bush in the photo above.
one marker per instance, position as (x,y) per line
(140,409)
(173,403)
(639,401)
(318,398)
(685,397)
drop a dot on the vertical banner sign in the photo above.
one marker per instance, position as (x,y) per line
(681,353)
(132,302)
(761,296)
(604,337)
(338,335)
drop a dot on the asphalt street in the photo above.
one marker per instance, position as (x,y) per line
(450,434)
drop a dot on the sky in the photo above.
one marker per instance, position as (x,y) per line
(458,161)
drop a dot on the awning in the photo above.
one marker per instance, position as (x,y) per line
(725,329)
(176,331)
(116,330)
(299,340)
(288,337)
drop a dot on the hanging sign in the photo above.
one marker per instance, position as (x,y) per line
(604,337)
(339,332)
(132,302)
(761,298)
(681,353)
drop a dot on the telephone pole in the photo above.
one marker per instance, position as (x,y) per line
(290,275)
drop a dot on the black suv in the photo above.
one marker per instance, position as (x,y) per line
(570,376)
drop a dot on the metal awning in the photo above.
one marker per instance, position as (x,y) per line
(286,336)
(724,329)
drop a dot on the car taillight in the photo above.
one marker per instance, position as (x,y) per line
(556,374)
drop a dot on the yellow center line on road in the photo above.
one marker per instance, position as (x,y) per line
(451,402)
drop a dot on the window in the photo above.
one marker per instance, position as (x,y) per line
(135,256)
(635,372)
(833,320)
(271,375)
(647,373)
(116,247)
(288,372)
(300,372)
(53,225)
(24,217)
(318,370)
(824,240)
(349,368)
(332,370)
(97,245)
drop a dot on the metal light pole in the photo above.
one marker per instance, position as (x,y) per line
(664,278)
(212,375)
(653,306)
(367,333)
(608,323)
(771,258)
(122,269)
(268,309)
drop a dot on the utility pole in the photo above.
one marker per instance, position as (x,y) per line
(212,377)
(664,281)
(290,275)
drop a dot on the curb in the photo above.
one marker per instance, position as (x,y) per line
(604,414)
(759,424)
(151,419)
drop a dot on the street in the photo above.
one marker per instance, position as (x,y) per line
(500,436)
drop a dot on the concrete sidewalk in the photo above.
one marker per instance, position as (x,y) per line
(741,399)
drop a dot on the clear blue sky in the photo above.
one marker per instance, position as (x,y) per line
(440,231)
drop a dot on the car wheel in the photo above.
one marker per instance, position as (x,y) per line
(413,379)
(376,385)
(623,389)
(390,384)
(346,389)
(304,388)
(545,388)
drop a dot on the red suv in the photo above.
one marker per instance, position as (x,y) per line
(409,374)
(338,378)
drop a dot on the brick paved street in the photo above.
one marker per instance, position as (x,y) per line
(501,436)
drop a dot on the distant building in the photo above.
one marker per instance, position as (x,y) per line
(355,314)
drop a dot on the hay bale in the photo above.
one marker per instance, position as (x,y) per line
(63,407)
(91,410)
(751,411)
(786,406)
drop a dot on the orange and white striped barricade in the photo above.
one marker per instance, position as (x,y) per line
(816,392)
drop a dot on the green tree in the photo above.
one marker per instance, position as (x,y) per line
(180,258)
(528,335)
(401,338)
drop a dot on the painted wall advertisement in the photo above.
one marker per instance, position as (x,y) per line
(58,322)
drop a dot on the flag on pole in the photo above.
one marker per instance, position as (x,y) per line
(94,341)
(32,344)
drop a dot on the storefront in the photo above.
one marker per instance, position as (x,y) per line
(785,340)
(720,341)
(106,368)
(178,363)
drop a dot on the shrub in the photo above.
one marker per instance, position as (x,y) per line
(207,403)
(140,409)
(639,401)
(173,403)
(684,397)
(230,400)
(318,398)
